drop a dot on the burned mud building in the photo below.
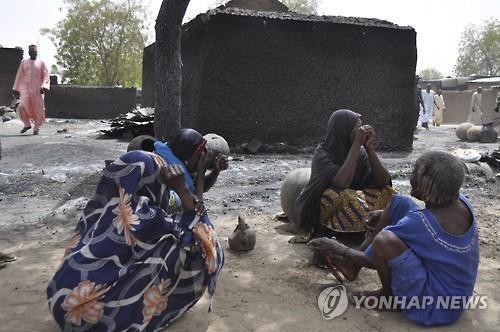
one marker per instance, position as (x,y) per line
(67,101)
(278,75)
(89,102)
(10,58)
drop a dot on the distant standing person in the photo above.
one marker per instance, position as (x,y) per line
(418,95)
(439,108)
(476,108)
(428,100)
(32,81)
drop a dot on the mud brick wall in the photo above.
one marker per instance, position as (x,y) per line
(10,58)
(82,102)
(279,80)
(458,106)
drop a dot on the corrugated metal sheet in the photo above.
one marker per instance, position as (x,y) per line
(486,80)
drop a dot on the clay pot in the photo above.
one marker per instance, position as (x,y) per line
(488,134)
(290,190)
(216,145)
(143,142)
(461,131)
(473,133)
(243,238)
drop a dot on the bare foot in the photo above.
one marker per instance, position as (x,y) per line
(348,269)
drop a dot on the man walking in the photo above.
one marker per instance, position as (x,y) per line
(439,108)
(32,81)
(476,108)
(428,100)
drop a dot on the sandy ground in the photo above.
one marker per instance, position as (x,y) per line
(272,288)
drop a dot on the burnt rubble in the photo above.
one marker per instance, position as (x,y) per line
(140,122)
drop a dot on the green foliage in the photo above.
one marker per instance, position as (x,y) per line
(309,7)
(100,42)
(479,50)
(430,74)
(54,70)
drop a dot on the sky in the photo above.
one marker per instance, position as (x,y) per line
(439,24)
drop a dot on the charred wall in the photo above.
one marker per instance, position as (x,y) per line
(10,58)
(279,80)
(193,59)
(82,102)
(148,76)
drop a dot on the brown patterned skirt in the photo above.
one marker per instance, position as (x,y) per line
(347,210)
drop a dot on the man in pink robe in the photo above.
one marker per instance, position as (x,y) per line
(32,81)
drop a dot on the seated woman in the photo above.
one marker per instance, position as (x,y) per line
(144,250)
(424,253)
(344,163)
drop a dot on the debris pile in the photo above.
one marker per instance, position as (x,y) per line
(7,113)
(138,122)
(141,122)
(482,165)
(493,160)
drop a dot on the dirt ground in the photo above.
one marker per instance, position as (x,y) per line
(272,288)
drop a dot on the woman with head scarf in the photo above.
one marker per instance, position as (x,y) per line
(343,164)
(424,257)
(144,251)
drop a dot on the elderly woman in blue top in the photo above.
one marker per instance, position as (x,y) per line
(423,253)
(144,250)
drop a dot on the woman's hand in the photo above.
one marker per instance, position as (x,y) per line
(359,136)
(370,136)
(221,163)
(203,164)
(173,176)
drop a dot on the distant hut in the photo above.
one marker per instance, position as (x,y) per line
(10,58)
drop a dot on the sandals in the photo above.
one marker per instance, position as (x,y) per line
(328,252)
(25,129)
(333,268)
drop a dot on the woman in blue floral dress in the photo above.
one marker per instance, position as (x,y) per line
(144,250)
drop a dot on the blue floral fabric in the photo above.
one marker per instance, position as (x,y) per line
(131,265)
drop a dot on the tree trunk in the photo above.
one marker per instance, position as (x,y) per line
(168,67)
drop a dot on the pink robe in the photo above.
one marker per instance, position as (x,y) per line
(32,75)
